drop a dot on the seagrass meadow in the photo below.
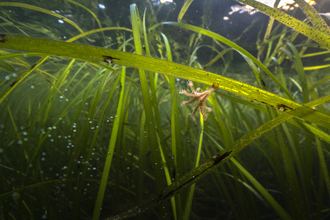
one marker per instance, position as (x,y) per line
(149,109)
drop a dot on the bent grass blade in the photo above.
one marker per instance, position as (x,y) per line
(169,68)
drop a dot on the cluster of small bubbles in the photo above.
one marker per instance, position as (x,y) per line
(15,195)
(32,87)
